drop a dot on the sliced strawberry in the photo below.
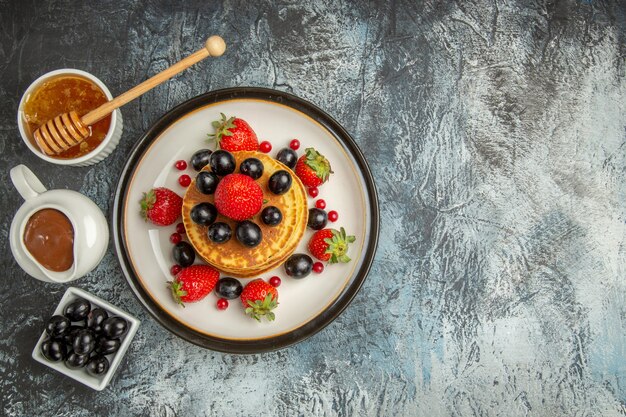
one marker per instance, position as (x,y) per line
(313,168)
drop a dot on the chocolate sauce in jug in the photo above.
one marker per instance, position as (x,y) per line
(49,237)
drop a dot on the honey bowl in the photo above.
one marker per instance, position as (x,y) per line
(58,92)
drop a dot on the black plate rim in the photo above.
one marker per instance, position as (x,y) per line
(259,345)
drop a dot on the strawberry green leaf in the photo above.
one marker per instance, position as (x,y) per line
(338,246)
(318,163)
(177,291)
(146,203)
(222,128)
(251,313)
(262,308)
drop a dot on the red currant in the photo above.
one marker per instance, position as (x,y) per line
(318,267)
(333,216)
(294,144)
(275,281)
(181,165)
(175,269)
(313,192)
(320,204)
(175,238)
(265,147)
(180,228)
(222,304)
(184,180)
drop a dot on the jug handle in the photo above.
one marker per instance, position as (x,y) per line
(26,183)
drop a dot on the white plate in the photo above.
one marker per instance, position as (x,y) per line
(305,305)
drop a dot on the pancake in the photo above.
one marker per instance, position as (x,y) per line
(278,242)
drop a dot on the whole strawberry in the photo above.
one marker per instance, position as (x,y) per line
(259,299)
(234,134)
(238,197)
(193,283)
(313,168)
(330,245)
(161,206)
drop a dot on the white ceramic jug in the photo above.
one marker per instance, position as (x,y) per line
(91,232)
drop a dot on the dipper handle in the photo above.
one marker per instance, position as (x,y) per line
(214,46)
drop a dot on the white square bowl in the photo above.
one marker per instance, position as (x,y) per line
(96,382)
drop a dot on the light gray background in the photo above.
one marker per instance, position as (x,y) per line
(496,134)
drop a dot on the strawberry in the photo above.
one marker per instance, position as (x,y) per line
(238,197)
(161,206)
(313,168)
(330,245)
(193,283)
(259,299)
(234,134)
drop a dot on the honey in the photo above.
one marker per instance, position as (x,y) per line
(63,94)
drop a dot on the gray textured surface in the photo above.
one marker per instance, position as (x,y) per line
(496,133)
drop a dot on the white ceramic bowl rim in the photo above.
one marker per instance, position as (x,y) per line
(23,132)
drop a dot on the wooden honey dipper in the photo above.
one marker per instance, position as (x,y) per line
(68,129)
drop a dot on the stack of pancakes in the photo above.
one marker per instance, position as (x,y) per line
(278,242)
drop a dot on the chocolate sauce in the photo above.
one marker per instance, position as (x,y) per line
(49,237)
